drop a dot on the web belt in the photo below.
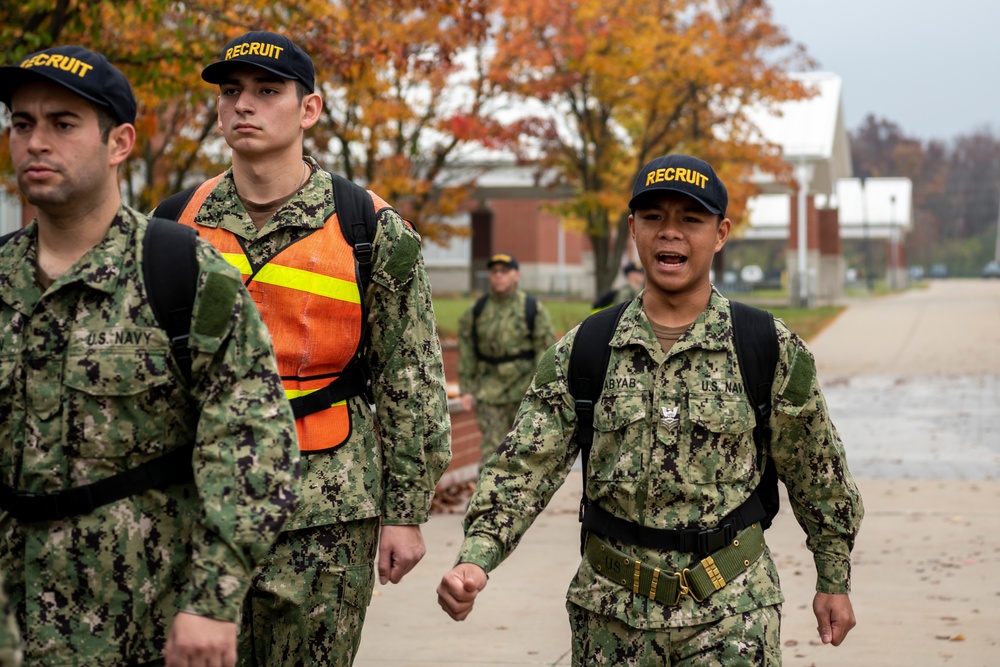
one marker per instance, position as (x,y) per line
(709,575)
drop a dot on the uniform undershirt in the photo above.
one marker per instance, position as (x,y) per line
(668,335)
(261,213)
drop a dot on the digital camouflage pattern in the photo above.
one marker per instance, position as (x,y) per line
(390,476)
(309,564)
(747,639)
(502,329)
(494,422)
(10,638)
(88,389)
(691,475)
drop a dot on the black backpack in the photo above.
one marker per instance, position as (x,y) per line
(530,312)
(357,217)
(756,342)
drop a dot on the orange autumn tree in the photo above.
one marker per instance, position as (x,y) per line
(406,99)
(405,92)
(631,80)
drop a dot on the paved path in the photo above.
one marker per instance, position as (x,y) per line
(912,381)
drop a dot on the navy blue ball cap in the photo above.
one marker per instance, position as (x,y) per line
(632,267)
(90,75)
(684,174)
(503,258)
(269,51)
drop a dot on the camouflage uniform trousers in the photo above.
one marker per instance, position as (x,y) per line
(750,639)
(494,423)
(308,598)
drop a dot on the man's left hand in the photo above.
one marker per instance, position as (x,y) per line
(834,616)
(400,548)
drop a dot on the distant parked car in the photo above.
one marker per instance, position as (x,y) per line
(991,270)
(916,272)
(939,271)
(751,274)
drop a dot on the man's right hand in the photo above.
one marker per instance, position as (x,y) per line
(202,641)
(458,589)
(467,402)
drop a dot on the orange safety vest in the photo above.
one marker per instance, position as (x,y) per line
(309,298)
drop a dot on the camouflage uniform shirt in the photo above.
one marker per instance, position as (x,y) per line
(689,476)
(502,329)
(391,475)
(88,389)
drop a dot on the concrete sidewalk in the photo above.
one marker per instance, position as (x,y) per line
(926,588)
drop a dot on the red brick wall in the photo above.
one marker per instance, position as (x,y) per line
(465,435)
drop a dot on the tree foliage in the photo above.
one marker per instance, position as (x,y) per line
(414,91)
(956,189)
(632,80)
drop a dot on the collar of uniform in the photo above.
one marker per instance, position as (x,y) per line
(709,331)
(101,267)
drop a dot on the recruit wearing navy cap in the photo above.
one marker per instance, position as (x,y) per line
(270,51)
(686,175)
(79,70)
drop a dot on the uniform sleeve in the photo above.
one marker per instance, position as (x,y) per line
(810,459)
(246,458)
(466,355)
(407,374)
(528,468)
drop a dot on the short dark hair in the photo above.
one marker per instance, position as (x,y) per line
(105,121)
(300,90)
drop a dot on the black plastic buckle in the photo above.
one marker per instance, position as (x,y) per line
(584,405)
(363,252)
(713,539)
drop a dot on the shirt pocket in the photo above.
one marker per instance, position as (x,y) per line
(620,434)
(719,444)
(117,402)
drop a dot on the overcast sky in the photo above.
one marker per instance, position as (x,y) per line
(930,66)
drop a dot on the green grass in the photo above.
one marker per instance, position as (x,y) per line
(566,314)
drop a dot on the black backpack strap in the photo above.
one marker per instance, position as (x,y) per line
(756,340)
(530,313)
(356,213)
(171,207)
(8,236)
(588,364)
(170,273)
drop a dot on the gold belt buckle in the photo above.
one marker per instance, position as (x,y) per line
(683,588)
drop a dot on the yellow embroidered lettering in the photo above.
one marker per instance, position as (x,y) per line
(255,48)
(277,51)
(650,178)
(57,60)
(84,68)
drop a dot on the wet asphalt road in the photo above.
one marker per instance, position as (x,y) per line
(913,382)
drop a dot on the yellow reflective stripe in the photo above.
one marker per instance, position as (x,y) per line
(295,393)
(297,279)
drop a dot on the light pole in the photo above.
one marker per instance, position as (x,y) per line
(893,243)
(864,225)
